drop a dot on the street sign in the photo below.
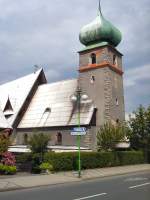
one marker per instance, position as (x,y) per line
(78,131)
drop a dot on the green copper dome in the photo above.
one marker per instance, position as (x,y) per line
(100,31)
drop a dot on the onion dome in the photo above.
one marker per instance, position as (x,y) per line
(100,31)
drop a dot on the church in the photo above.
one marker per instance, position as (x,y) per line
(31,105)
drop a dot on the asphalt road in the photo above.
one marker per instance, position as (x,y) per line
(125,187)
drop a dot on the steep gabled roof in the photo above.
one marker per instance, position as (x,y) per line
(17,91)
(3,122)
(51,106)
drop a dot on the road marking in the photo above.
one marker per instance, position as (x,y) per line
(135,179)
(135,186)
(89,197)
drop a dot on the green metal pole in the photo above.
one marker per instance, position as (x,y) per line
(79,156)
(79,137)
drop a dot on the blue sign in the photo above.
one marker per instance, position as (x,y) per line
(78,131)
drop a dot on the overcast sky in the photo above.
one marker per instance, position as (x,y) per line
(45,33)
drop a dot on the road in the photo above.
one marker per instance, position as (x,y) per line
(125,187)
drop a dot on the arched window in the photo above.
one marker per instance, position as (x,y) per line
(114,60)
(93,58)
(25,138)
(59,138)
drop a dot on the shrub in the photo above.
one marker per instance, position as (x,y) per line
(130,157)
(46,167)
(8,159)
(24,162)
(60,161)
(39,142)
(4,143)
(36,161)
(24,158)
(91,160)
(96,160)
(9,170)
(109,135)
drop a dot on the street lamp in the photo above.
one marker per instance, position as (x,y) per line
(79,98)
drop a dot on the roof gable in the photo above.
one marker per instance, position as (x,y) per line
(18,90)
(3,122)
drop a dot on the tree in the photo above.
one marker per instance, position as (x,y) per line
(109,135)
(4,143)
(38,143)
(140,127)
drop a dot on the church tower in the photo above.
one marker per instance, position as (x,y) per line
(100,69)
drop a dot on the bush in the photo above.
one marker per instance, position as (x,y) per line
(96,160)
(60,161)
(91,160)
(24,158)
(46,167)
(38,143)
(36,161)
(109,135)
(24,162)
(6,169)
(4,143)
(130,157)
(8,159)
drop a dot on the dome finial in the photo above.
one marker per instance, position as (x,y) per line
(100,31)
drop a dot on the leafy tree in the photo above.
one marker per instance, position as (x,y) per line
(4,143)
(109,135)
(140,127)
(38,143)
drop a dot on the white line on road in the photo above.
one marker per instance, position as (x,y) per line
(89,197)
(135,186)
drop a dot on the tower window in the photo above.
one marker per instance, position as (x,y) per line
(117,102)
(92,80)
(93,58)
(114,60)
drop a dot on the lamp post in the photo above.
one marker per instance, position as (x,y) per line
(78,97)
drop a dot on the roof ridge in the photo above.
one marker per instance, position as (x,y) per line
(9,82)
(66,80)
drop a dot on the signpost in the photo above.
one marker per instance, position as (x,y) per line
(78,97)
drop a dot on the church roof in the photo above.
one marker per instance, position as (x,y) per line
(14,94)
(100,31)
(3,122)
(51,107)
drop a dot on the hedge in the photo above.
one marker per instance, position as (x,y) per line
(91,160)
(60,161)
(130,157)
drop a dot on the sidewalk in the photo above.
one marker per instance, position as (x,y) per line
(28,181)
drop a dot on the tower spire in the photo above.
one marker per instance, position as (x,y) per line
(99,7)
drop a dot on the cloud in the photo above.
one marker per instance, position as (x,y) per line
(134,76)
(46,33)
